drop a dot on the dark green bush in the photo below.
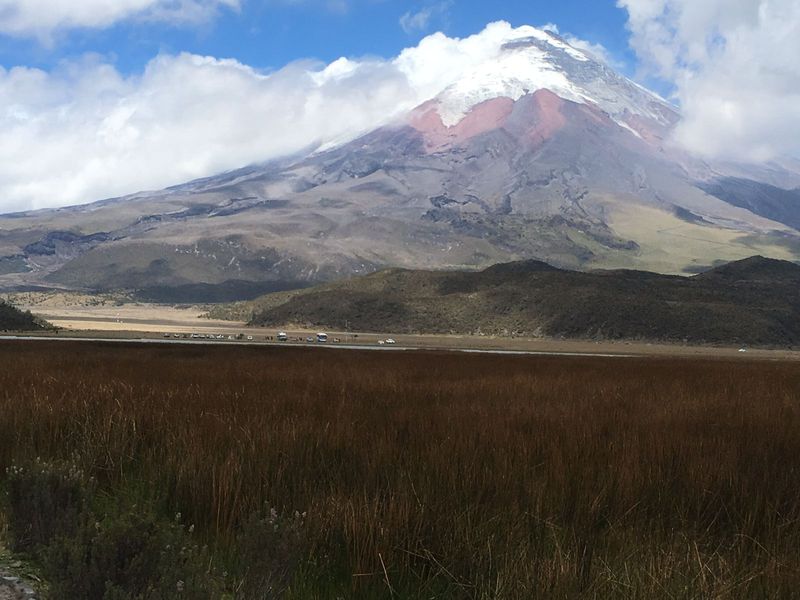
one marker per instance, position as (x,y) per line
(45,500)
(127,553)
(269,549)
(130,556)
(12,319)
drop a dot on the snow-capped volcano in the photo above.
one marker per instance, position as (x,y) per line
(534,150)
(535,59)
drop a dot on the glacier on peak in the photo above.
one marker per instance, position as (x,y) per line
(534,59)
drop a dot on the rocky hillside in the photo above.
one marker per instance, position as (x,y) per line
(754,301)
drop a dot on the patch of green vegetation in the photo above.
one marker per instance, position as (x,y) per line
(13,319)
(752,301)
(92,545)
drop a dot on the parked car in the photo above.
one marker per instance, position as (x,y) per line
(390,341)
(282,337)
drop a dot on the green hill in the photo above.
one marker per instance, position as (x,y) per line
(754,301)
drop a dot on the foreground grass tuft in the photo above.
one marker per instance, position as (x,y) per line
(421,475)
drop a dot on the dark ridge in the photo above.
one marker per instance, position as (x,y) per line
(755,268)
(13,319)
(762,199)
(690,217)
(521,267)
(48,245)
(755,301)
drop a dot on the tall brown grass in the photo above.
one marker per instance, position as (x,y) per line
(437,475)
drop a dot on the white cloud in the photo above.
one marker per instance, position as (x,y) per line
(41,18)
(84,131)
(735,68)
(414,22)
(418,21)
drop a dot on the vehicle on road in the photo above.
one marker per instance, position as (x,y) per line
(390,341)
(322,337)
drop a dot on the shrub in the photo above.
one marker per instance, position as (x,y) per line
(130,556)
(269,550)
(45,500)
(126,554)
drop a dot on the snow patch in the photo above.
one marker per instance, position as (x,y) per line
(531,60)
(514,74)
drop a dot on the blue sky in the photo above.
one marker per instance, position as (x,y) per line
(268,34)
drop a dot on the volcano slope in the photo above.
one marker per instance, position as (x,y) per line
(755,301)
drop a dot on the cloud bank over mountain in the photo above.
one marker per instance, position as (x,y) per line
(85,131)
(735,68)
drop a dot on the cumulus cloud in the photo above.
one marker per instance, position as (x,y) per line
(41,18)
(735,69)
(84,131)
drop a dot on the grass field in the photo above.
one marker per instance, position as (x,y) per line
(431,475)
(690,244)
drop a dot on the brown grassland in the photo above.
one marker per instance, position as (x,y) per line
(436,475)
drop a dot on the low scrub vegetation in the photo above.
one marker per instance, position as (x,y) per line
(13,319)
(303,473)
(119,553)
(751,302)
